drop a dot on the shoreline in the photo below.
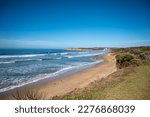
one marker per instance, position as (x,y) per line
(79,80)
(52,76)
(65,84)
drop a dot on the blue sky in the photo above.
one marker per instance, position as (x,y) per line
(74,23)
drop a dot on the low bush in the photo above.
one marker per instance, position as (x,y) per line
(145,55)
(136,62)
(124,60)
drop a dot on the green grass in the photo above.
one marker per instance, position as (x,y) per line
(133,85)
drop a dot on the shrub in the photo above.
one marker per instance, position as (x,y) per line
(135,51)
(124,60)
(145,55)
(136,62)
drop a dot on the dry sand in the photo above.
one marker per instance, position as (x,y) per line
(80,79)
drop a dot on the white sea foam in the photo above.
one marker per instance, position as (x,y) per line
(21,56)
(8,62)
(84,55)
(28,60)
(25,60)
(18,61)
(52,75)
(59,58)
(62,53)
(82,52)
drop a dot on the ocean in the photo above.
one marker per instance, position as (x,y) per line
(19,67)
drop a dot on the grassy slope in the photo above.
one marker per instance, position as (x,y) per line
(133,85)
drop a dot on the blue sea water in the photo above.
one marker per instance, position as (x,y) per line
(19,67)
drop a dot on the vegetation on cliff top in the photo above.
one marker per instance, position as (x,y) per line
(131,81)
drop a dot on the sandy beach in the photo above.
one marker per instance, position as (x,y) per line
(79,80)
(64,85)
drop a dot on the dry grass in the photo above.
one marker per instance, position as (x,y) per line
(28,95)
(121,85)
